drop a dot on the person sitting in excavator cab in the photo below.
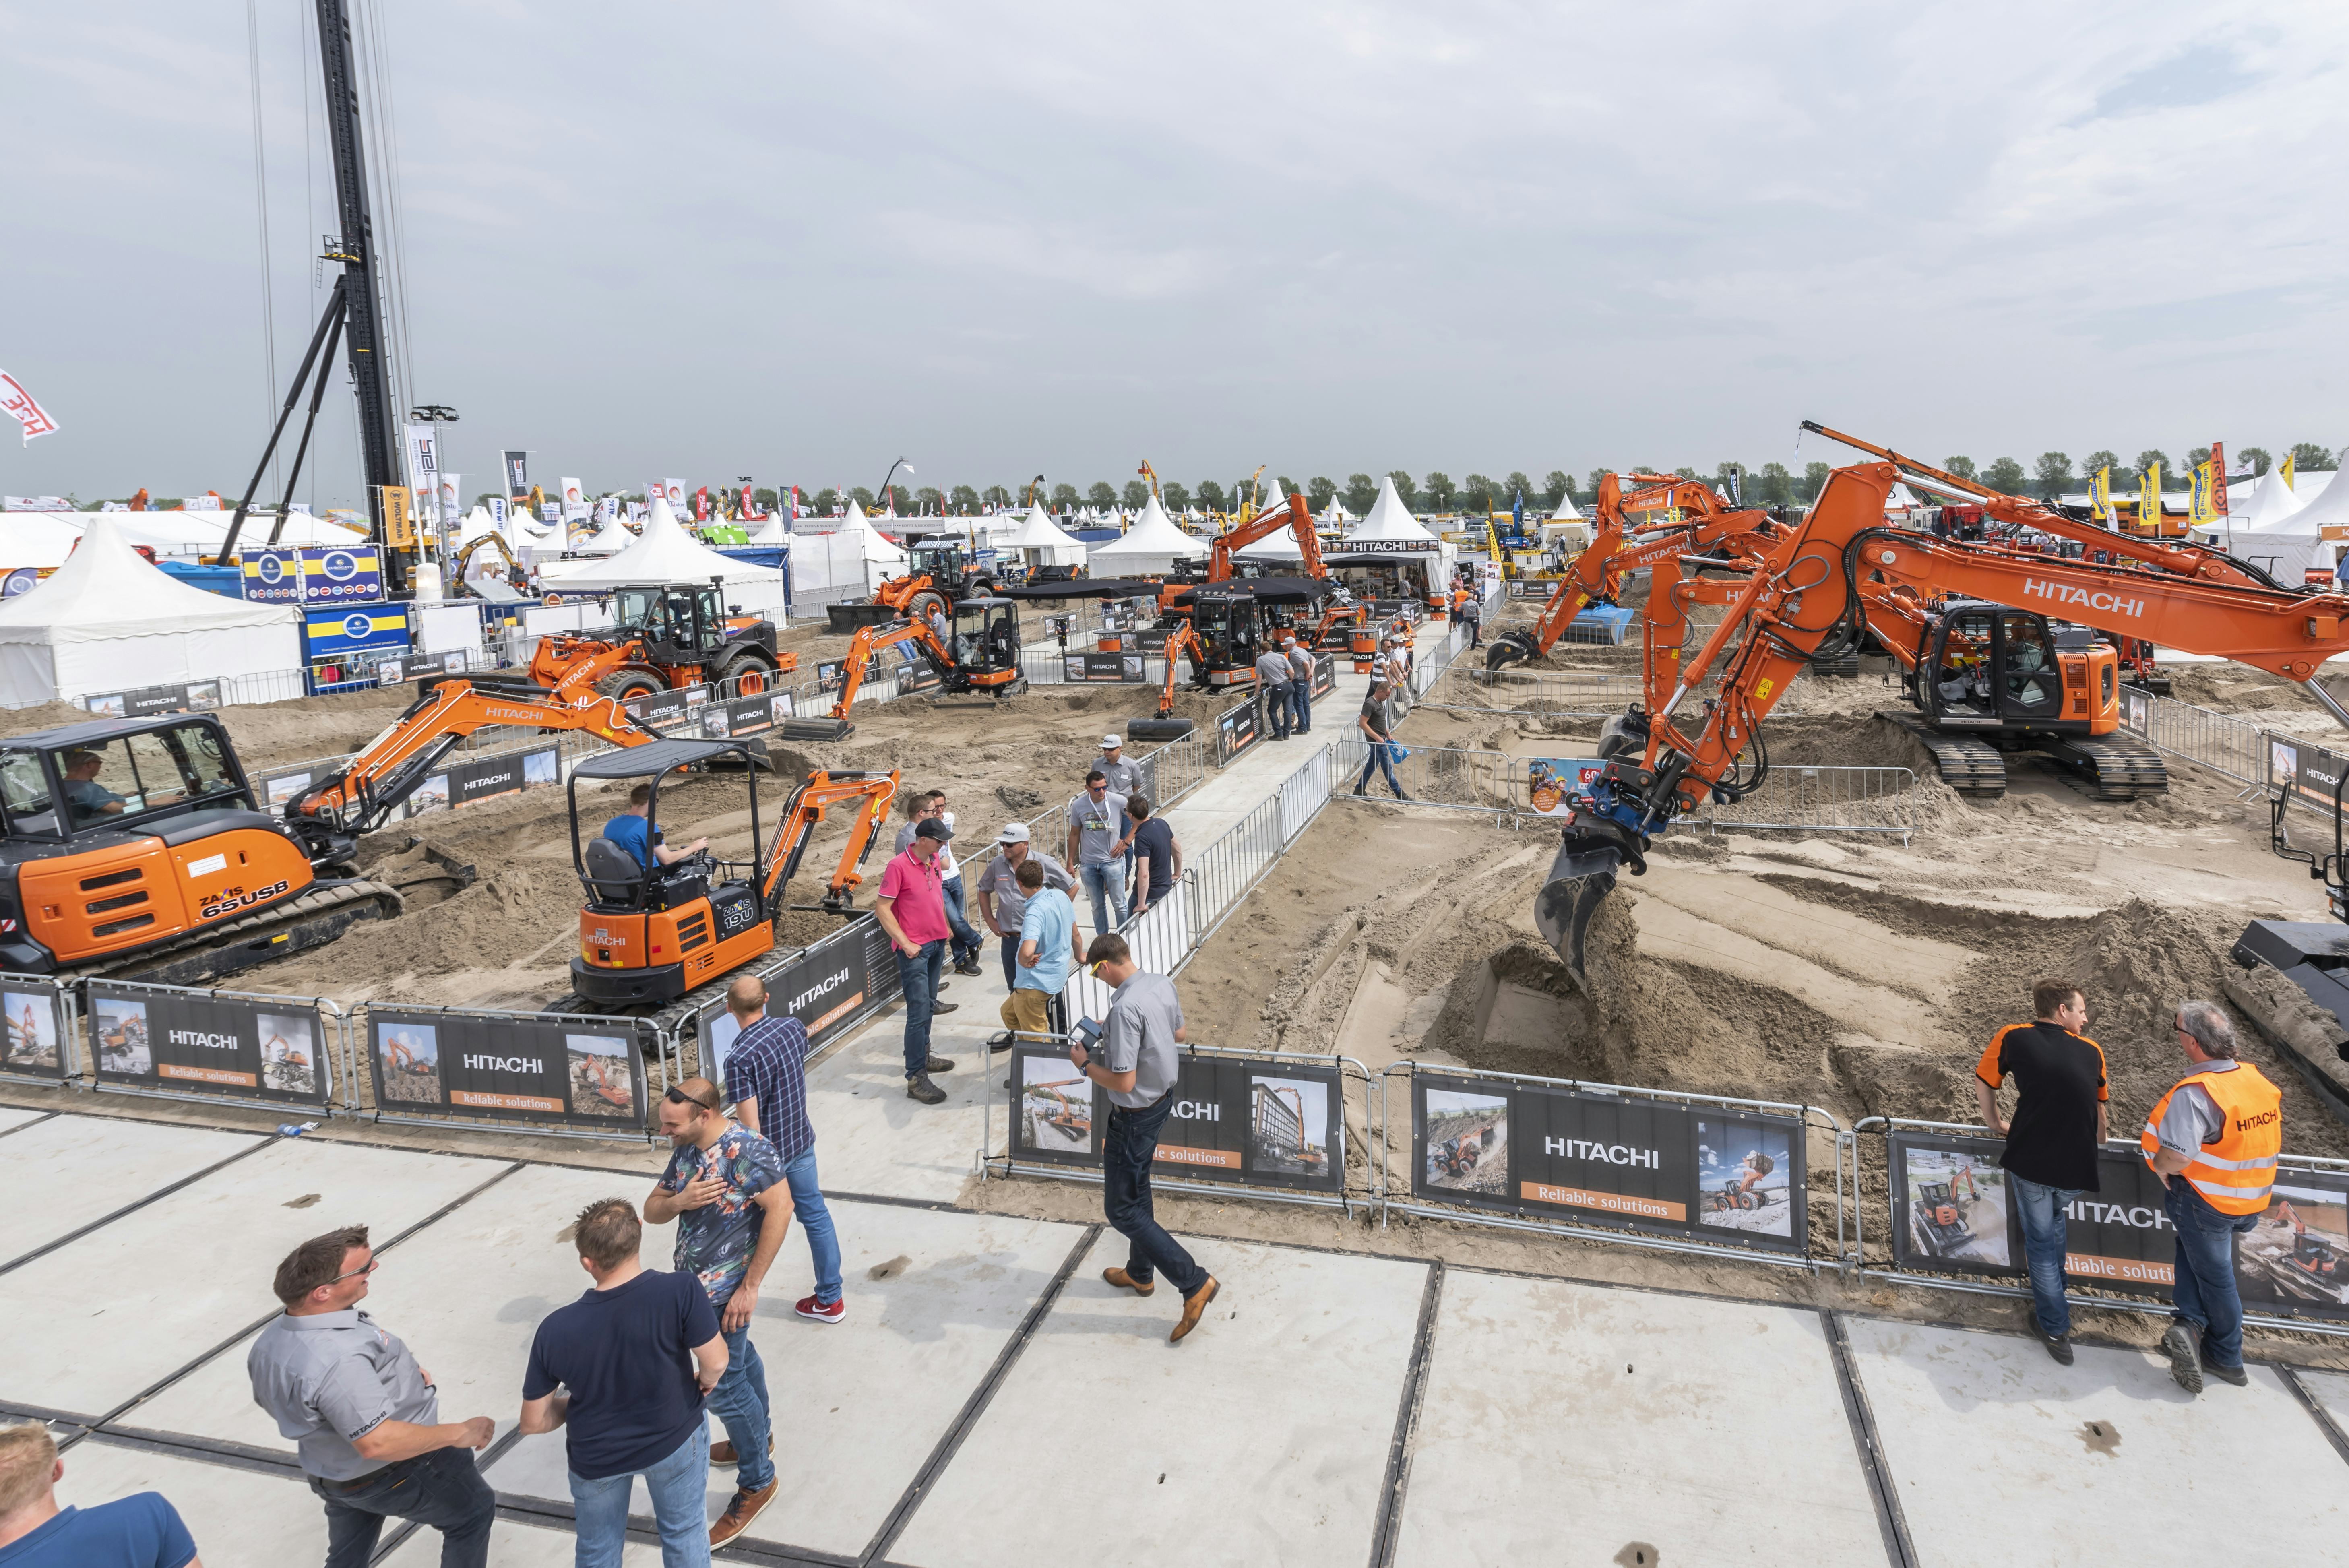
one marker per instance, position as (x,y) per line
(634,831)
(91,799)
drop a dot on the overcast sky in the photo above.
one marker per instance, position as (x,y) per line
(797,241)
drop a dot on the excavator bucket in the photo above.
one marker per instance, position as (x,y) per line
(1580,878)
(1506,649)
(815,730)
(1168,729)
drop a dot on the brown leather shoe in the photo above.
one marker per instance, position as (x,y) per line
(740,1512)
(721,1452)
(1124,1281)
(1194,1304)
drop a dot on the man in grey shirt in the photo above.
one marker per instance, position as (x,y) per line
(1138,1064)
(364,1416)
(1300,695)
(1273,674)
(1000,901)
(1123,774)
(1097,843)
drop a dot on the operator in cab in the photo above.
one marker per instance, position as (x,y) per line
(634,831)
(91,799)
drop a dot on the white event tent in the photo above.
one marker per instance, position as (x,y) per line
(667,553)
(1390,520)
(2271,531)
(610,539)
(1044,543)
(1566,511)
(1149,548)
(106,621)
(844,560)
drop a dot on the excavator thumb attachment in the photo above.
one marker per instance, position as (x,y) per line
(1580,878)
(1508,648)
(1168,728)
(815,730)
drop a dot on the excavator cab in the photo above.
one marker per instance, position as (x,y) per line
(681,623)
(1229,627)
(941,563)
(1993,667)
(664,636)
(986,642)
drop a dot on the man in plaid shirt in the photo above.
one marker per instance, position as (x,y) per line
(766,1079)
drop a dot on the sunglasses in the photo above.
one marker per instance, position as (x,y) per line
(679,1097)
(372,1265)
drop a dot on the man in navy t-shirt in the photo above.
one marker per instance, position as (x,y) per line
(637,1356)
(142,1530)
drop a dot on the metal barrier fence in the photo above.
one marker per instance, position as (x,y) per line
(1432,775)
(1823,801)
(1561,694)
(2224,744)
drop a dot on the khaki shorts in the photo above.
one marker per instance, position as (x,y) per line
(1024,1010)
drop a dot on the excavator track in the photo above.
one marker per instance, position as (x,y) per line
(1971,767)
(324,911)
(2114,766)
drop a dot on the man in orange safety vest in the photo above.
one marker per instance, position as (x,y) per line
(2214,1138)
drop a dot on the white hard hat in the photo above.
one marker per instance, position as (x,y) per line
(1110,743)
(1013,833)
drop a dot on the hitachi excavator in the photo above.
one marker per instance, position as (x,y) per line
(666,936)
(1596,576)
(981,654)
(663,636)
(1811,592)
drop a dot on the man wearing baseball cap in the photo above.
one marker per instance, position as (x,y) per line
(1125,778)
(912,907)
(1002,903)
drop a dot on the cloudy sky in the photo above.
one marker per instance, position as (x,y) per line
(797,241)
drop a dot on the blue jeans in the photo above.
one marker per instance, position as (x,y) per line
(1106,884)
(967,941)
(2205,1294)
(2043,1249)
(918,978)
(441,1489)
(1301,707)
(1380,757)
(600,1509)
(740,1403)
(1009,947)
(1276,709)
(815,1220)
(1127,1148)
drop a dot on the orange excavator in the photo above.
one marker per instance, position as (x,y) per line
(1073,1116)
(982,655)
(665,937)
(1596,576)
(1809,595)
(663,636)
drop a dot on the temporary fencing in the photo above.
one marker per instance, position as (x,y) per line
(178,1042)
(1951,1222)
(1561,695)
(1823,801)
(41,1033)
(2224,744)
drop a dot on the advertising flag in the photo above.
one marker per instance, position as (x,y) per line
(575,499)
(2219,478)
(29,413)
(2207,482)
(673,491)
(2286,471)
(653,491)
(701,504)
(2148,496)
(2100,495)
(424,467)
(451,488)
(517,467)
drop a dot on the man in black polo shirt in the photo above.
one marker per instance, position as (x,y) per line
(2051,1144)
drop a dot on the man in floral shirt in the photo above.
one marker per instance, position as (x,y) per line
(725,1187)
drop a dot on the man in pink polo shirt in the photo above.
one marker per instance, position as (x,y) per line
(912,911)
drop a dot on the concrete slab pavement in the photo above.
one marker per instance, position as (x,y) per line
(14,1117)
(72,1170)
(239,1517)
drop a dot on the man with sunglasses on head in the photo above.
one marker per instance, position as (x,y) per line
(364,1416)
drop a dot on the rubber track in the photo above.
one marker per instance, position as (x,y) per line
(2119,768)
(1971,767)
(328,899)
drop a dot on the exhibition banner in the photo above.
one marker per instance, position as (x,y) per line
(1126,668)
(1953,1210)
(190,697)
(915,672)
(313,575)
(830,988)
(517,468)
(1235,730)
(33,1006)
(468,780)
(2296,1258)
(336,634)
(744,715)
(576,1072)
(665,707)
(1261,1121)
(1550,781)
(209,1042)
(2304,772)
(1720,1174)
(1325,677)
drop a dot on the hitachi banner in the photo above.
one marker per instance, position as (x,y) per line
(457,1064)
(194,1042)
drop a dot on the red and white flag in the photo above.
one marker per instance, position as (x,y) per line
(19,402)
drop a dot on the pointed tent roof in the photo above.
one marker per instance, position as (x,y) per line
(106,590)
(879,549)
(1565,512)
(772,530)
(2269,504)
(665,554)
(2329,507)
(610,539)
(1151,545)
(1389,519)
(1039,533)
(1900,498)
(1335,512)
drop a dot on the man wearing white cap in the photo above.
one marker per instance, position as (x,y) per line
(1125,778)
(1002,903)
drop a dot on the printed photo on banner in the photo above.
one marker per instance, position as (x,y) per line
(1468,1141)
(603,1071)
(1550,780)
(120,1027)
(715,723)
(779,707)
(1055,1114)
(719,1030)
(2284,764)
(289,1052)
(541,768)
(1744,1172)
(1289,1126)
(1130,666)
(432,795)
(409,1055)
(204,693)
(2298,1252)
(284,787)
(1957,1207)
(107,707)
(32,1019)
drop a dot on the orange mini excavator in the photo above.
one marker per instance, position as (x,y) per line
(663,636)
(981,654)
(658,936)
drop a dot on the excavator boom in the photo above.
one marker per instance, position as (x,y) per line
(1597,575)
(809,805)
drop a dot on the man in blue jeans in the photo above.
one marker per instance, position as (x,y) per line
(912,908)
(1138,1065)
(1097,847)
(2213,1138)
(1373,722)
(2060,1120)
(725,1186)
(766,1083)
(624,1371)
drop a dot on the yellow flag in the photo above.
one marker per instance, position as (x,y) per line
(2100,495)
(2148,498)
(2286,472)
(2202,509)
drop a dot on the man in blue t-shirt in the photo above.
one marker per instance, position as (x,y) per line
(634,1358)
(634,831)
(142,1530)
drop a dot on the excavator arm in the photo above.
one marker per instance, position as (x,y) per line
(1810,594)
(871,640)
(810,805)
(1297,516)
(1596,575)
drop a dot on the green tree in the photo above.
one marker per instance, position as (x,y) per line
(1320,491)
(1517,485)
(2308,457)
(1361,493)
(763,499)
(1064,497)
(2258,458)
(1730,478)
(2148,458)
(2198,457)
(1137,495)
(824,501)
(2005,476)
(1437,491)
(1476,494)
(1556,487)
(995,495)
(864,497)
(1597,476)
(965,500)
(1406,487)
(1776,486)
(2094,460)
(1684,473)
(1961,466)
(1176,498)
(1814,479)
(1101,495)
(1285,486)
(1212,497)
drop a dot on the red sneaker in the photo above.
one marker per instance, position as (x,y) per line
(816,1311)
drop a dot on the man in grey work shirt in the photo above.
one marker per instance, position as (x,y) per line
(1138,1064)
(1002,903)
(1300,695)
(1097,843)
(1273,674)
(364,1418)
(1124,777)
